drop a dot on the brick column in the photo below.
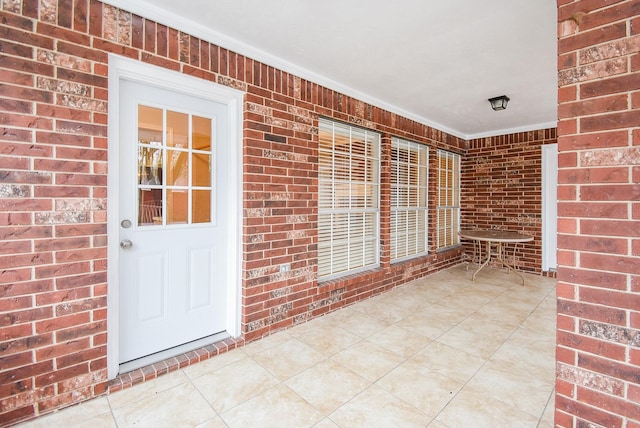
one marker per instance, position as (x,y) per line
(598,337)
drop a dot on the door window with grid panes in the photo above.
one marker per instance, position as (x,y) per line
(348,199)
(448,203)
(408,198)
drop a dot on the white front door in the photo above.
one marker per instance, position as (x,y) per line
(172,220)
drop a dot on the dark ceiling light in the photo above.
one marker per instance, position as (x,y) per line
(499,103)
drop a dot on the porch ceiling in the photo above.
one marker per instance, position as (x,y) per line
(436,62)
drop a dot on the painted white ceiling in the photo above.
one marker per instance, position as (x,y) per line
(434,61)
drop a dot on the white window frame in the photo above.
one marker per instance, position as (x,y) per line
(348,199)
(409,200)
(448,199)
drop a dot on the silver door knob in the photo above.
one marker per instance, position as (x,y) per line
(125,243)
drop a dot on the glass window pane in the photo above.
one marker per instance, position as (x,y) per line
(201,169)
(201,206)
(177,168)
(448,198)
(325,194)
(175,154)
(149,166)
(341,138)
(408,198)
(325,167)
(149,207)
(177,206)
(177,129)
(149,125)
(348,187)
(201,134)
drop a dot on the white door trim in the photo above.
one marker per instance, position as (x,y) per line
(549,206)
(124,68)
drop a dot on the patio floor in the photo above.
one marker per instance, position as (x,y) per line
(438,352)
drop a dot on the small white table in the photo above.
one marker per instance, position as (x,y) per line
(494,239)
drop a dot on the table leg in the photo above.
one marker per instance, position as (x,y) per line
(488,256)
(508,266)
(477,257)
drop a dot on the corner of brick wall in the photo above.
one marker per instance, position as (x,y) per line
(502,189)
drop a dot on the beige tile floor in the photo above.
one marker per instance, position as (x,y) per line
(439,352)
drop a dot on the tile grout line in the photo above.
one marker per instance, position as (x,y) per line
(219,415)
(493,353)
(550,401)
(405,293)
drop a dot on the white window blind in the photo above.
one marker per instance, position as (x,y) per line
(409,167)
(448,206)
(348,199)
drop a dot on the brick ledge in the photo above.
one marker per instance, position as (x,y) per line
(152,371)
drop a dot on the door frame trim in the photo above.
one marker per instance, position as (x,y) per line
(549,206)
(121,68)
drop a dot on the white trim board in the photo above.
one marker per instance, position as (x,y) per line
(549,207)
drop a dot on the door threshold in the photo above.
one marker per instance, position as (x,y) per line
(127,379)
(172,352)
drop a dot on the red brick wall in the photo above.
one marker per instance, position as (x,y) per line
(598,339)
(53,99)
(502,189)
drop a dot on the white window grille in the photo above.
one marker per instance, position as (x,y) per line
(348,199)
(448,206)
(409,179)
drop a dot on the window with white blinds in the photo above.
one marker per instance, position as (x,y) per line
(409,167)
(348,199)
(448,206)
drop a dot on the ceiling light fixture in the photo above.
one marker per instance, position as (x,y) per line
(499,103)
